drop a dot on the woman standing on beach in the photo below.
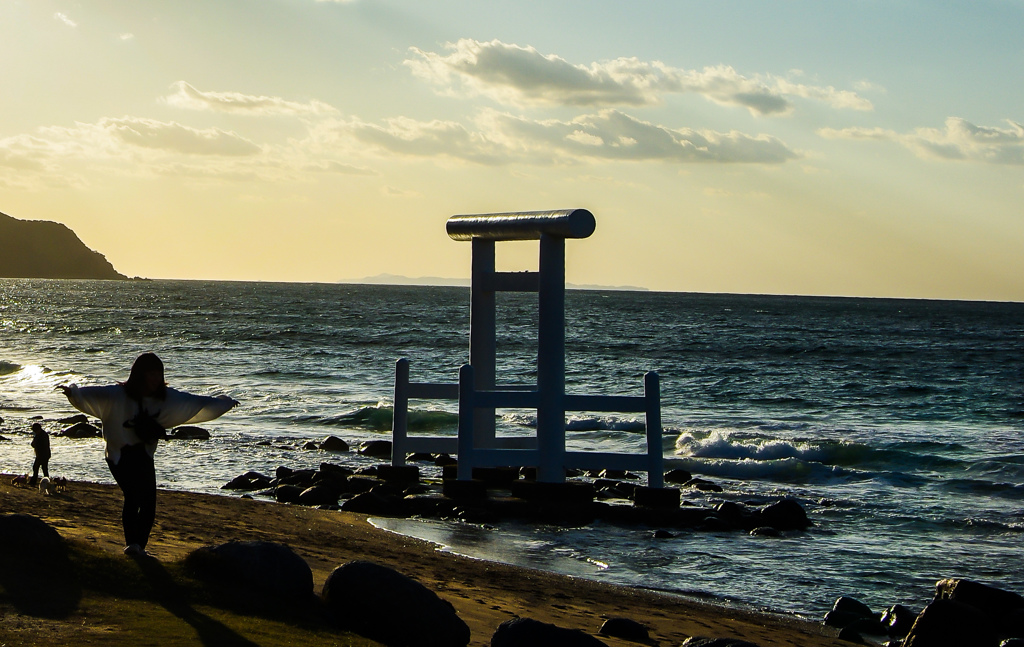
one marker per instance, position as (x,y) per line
(135,414)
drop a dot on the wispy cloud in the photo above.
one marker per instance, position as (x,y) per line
(121,139)
(959,140)
(500,138)
(514,74)
(63,17)
(189,98)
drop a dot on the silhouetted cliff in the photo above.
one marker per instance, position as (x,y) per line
(48,250)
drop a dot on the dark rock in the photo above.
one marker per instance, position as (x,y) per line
(339,470)
(444,459)
(947,622)
(730,510)
(496,476)
(36,574)
(663,534)
(703,485)
(869,626)
(189,433)
(23,535)
(786,514)
(840,619)
(81,430)
(282,472)
(310,446)
(1012,642)
(652,497)
(70,420)
(358,484)
(854,607)
(267,568)
(420,457)
(288,493)
(526,632)
(374,503)
(469,489)
(399,473)
(849,634)
(898,620)
(379,603)
(765,531)
(625,628)
(333,444)
(318,495)
(303,478)
(994,602)
(248,481)
(376,448)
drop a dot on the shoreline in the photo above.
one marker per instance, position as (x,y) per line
(484,593)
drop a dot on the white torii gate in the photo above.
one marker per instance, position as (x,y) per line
(478,394)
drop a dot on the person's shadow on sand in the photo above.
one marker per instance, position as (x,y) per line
(173,598)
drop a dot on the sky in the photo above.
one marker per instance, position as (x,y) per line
(860,148)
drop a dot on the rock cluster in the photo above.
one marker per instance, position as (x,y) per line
(963,612)
(495,494)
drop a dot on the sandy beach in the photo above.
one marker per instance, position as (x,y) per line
(484,594)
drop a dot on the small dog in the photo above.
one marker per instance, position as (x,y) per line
(18,481)
(60,484)
(46,486)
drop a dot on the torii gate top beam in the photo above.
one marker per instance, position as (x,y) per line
(524,225)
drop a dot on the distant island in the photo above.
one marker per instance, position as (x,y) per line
(39,249)
(397,279)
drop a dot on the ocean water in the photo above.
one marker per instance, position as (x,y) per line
(897,424)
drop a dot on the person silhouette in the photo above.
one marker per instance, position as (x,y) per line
(41,447)
(134,414)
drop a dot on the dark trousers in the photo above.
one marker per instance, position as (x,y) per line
(136,476)
(43,462)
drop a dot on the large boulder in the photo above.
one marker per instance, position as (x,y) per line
(376,448)
(265,568)
(947,622)
(527,632)
(35,569)
(785,514)
(382,604)
(333,444)
(625,628)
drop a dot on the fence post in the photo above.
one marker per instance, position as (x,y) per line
(655,452)
(400,413)
(466,411)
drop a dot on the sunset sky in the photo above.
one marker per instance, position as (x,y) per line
(831,148)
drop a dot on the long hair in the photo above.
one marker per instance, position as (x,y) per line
(136,384)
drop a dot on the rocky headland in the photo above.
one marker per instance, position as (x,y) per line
(48,250)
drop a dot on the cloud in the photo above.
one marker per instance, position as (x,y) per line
(127,139)
(174,137)
(63,17)
(127,36)
(499,138)
(522,75)
(189,98)
(959,140)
